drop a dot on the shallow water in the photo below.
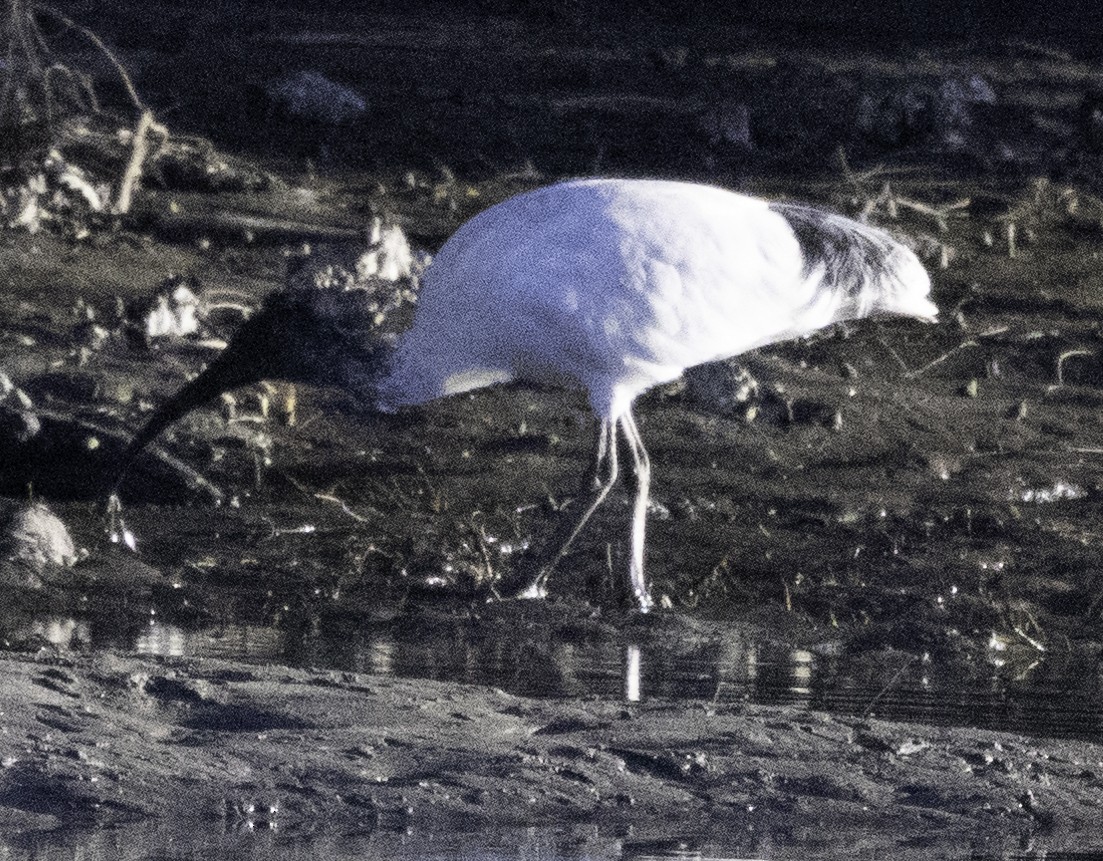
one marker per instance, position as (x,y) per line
(585,843)
(517,845)
(1021,690)
(509,845)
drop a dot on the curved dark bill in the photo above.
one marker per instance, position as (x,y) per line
(245,360)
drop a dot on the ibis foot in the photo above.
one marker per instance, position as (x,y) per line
(524,585)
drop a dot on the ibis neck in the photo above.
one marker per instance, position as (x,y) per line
(360,375)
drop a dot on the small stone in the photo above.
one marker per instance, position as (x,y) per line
(37,538)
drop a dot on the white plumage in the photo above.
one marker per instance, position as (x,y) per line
(613,286)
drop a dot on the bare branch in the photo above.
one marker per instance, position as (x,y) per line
(124,76)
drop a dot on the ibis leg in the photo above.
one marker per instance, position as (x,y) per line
(600,480)
(641,464)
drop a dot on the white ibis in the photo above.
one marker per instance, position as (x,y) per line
(610,285)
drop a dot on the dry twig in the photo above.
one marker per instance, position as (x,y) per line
(1068,354)
(964,345)
(138,152)
(128,84)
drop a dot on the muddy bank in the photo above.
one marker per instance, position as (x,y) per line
(115,740)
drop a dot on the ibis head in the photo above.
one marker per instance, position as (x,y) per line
(318,338)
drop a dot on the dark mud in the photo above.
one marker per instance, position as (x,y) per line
(914,508)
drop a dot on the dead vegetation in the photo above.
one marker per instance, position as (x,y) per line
(70,163)
(47,104)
